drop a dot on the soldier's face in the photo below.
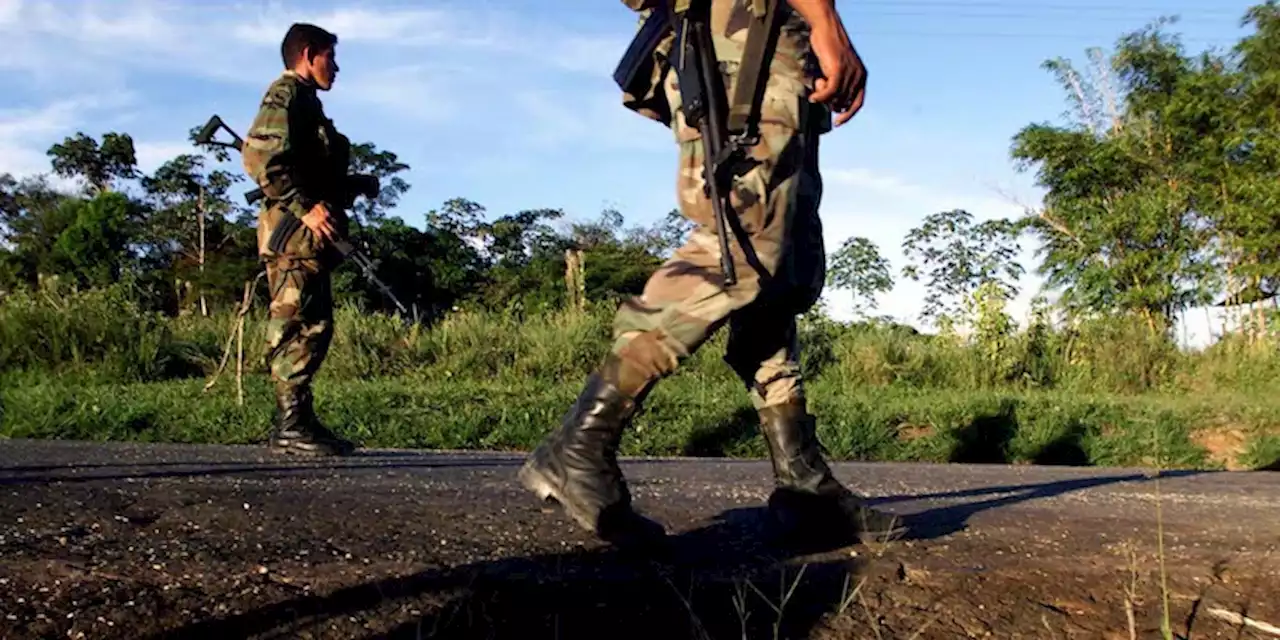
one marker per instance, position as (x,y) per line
(324,70)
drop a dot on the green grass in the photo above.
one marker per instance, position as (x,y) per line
(686,417)
(92,366)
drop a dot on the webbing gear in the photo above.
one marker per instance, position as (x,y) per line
(727,130)
(748,89)
(757,54)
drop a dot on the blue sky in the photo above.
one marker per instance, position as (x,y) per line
(510,102)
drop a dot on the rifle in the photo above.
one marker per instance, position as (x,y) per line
(728,130)
(344,247)
(205,136)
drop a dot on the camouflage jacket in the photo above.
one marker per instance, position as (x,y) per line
(792,72)
(294,153)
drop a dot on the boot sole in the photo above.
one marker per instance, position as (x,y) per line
(541,485)
(634,531)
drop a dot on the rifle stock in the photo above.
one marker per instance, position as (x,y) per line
(344,247)
(205,136)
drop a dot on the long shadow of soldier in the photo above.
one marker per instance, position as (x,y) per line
(717,581)
(721,580)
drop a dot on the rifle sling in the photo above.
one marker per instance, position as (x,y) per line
(757,54)
(279,239)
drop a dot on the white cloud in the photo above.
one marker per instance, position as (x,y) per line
(25,134)
(153,154)
(426,93)
(595,118)
(133,26)
(595,55)
(920,198)
(395,27)
(101,44)
(9,11)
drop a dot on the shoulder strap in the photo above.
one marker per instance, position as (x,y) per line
(753,77)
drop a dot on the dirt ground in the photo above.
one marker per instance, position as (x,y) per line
(159,541)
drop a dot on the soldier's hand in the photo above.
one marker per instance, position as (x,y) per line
(319,221)
(844,82)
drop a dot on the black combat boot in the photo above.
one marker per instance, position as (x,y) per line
(298,429)
(577,465)
(809,505)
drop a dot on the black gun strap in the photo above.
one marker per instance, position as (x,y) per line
(753,76)
(279,239)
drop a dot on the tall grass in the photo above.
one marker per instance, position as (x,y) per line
(92,364)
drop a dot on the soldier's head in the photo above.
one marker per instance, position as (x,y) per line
(309,51)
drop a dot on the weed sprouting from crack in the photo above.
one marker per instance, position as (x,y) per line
(740,605)
(1131,593)
(694,619)
(846,596)
(780,608)
(871,618)
(1166,626)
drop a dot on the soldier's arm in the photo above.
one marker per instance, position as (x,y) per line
(268,153)
(820,14)
(844,76)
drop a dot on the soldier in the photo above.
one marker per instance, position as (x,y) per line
(687,299)
(294,153)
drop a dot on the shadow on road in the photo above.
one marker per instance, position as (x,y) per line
(946,520)
(379,461)
(706,587)
(713,583)
(717,581)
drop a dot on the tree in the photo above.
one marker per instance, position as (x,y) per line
(94,248)
(385,166)
(513,240)
(406,259)
(1232,106)
(190,219)
(31,219)
(99,167)
(958,257)
(603,230)
(663,236)
(1123,228)
(458,216)
(858,266)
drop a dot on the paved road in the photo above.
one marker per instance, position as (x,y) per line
(162,540)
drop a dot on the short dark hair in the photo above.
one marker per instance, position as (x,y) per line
(302,36)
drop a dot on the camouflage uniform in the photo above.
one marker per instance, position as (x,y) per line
(686,301)
(294,153)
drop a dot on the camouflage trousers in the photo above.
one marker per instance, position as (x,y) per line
(300,317)
(299,322)
(686,301)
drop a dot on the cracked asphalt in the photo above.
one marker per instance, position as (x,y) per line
(115,540)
